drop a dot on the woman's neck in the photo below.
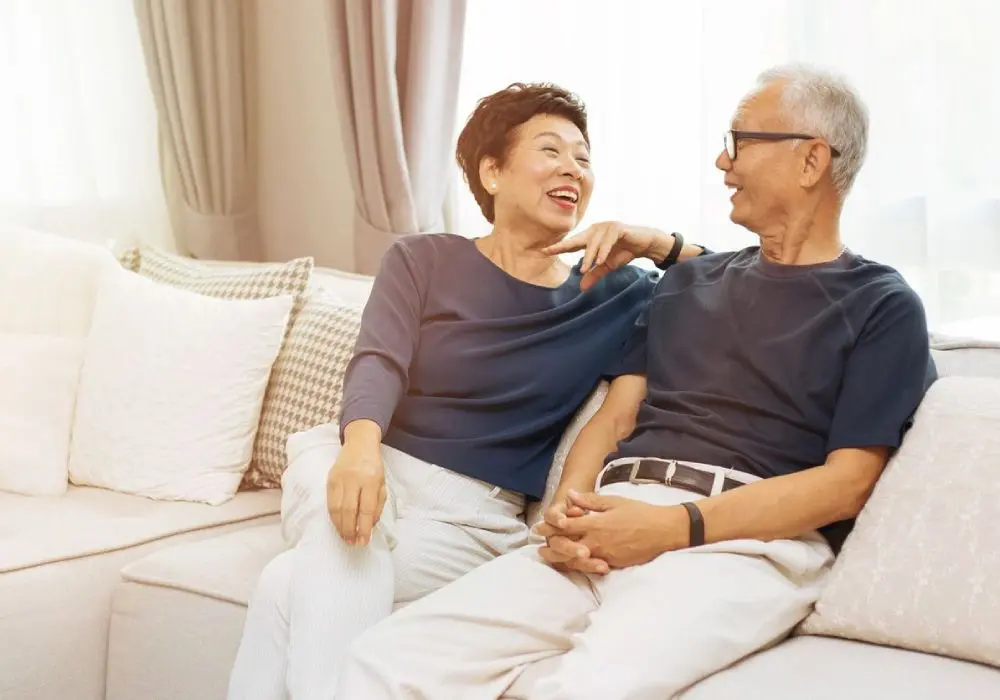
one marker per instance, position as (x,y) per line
(521,255)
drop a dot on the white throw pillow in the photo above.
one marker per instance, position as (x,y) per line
(54,281)
(171,389)
(39,376)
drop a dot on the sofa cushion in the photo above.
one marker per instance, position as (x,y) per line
(919,571)
(966,356)
(60,559)
(307,379)
(821,668)
(89,521)
(233,281)
(177,616)
(171,389)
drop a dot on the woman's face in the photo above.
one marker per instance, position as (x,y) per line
(546,181)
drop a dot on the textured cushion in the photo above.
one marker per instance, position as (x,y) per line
(536,511)
(307,380)
(171,389)
(234,281)
(920,569)
(39,375)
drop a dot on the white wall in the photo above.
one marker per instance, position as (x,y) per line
(306,204)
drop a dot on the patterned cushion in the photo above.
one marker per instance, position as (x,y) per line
(920,569)
(234,282)
(307,379)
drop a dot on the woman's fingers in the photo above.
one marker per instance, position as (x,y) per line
(368,506)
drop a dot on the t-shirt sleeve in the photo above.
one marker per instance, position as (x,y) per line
(632,357)
(885,377)
(377,374)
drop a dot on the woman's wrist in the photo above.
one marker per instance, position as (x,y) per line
(364,434)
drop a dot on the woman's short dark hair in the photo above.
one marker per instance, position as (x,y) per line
(495,120)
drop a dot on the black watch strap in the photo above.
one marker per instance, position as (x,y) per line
(675,252)
(697,537)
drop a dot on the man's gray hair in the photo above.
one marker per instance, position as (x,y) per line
(826,106)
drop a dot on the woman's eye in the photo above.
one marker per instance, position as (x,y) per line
(583,159)
(550,149)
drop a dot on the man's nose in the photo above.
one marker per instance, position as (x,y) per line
(723,161)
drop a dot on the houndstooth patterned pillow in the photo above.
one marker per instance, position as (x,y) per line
(307,380)
(233,282)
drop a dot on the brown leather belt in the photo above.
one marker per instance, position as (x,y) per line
(676,474)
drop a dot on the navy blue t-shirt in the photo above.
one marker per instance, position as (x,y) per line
(767,368)
(471,369)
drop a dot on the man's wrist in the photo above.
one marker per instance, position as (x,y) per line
(675,528)
(660,246)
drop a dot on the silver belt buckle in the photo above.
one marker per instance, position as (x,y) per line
(667,480)
(671,470)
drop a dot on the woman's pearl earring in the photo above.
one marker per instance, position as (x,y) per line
(493,185)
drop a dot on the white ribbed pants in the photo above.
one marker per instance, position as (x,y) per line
(641,633)
(314,599)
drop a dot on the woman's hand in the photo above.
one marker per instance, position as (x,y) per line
(612,244)
(355,485)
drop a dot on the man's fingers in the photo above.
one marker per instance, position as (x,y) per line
(555,515)
(594,235)
(567,547)
(593,276)
(608,241)
(568,245)
(590,501)
(590,565)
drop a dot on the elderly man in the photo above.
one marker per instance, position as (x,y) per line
(770,386)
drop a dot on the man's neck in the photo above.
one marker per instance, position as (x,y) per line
(808,239)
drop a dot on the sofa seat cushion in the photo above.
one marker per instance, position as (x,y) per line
(225,568)
(823,668)
(89,521)
(177,616)
(60,560)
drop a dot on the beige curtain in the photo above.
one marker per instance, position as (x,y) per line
(396,68)
(197,59)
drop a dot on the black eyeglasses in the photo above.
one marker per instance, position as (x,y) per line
(733,136)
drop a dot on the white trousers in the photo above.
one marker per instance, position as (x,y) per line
(641,633)
(314,599)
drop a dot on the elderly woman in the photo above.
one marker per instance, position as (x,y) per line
(473,356)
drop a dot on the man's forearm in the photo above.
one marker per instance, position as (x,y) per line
(786,506)
(596,440)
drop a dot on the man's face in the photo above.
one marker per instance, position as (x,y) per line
(765,176)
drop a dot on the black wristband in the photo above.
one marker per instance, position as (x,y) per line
(675,252)
(697,537)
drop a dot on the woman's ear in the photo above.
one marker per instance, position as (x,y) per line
(489,174)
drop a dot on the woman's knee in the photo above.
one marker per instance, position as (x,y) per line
(273,590)
(303,485)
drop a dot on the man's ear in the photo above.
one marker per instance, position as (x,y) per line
(489,173)
(817,162)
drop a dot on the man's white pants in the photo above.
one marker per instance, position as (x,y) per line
(313,600)
(642,633)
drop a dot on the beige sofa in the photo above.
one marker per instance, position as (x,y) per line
(104,595)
